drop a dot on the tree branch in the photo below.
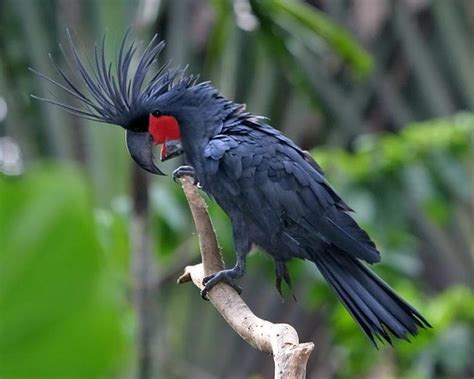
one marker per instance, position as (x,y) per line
(280,340)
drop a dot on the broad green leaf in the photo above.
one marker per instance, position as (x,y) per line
(57,318)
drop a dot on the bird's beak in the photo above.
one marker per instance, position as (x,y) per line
(171,149)
(140,146)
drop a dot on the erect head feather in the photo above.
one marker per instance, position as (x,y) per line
(116,96)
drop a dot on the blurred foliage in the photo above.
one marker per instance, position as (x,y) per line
(58,291)
(305,23)
(375,155)
(374,89)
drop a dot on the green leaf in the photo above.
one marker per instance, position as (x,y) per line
(56,319)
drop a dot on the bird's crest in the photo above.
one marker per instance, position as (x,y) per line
(115,96)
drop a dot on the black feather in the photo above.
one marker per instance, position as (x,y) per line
(291,211)
(372,303)
(115,96)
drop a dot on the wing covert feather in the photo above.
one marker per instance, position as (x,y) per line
(267,173)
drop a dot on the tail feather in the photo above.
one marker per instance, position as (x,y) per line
(371,302)
(363,316)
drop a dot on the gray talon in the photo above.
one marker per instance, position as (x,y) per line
(185,171)
(225,276)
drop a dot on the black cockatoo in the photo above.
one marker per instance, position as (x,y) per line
(274,193)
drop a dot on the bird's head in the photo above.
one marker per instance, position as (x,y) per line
(155,108)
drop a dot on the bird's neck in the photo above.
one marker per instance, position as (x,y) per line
(194,153)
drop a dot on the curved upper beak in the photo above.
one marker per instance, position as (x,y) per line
(140,147)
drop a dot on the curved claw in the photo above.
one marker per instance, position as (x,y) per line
(281,272)
(184,171)
(225,276)
(203,294)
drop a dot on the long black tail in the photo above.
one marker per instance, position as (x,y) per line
(370,301)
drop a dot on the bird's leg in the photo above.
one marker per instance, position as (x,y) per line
(242,247)
(182,171)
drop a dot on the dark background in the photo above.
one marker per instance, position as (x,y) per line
(381,92)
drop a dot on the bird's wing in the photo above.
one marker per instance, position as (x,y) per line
(267,176)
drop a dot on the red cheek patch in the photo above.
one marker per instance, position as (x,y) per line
(163,128)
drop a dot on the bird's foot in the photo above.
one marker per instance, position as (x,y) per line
(226,276)
(183,171)
(281,272)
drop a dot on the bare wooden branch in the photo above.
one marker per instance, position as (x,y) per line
(280,340)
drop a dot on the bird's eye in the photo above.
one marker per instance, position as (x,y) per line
(156,113)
